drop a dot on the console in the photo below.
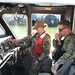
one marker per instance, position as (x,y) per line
(7,50)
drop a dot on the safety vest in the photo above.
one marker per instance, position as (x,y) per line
(33,34)
(38,46)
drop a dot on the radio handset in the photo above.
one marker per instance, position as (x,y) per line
(61,39)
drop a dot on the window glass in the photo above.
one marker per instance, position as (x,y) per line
(17,24)
(2,31)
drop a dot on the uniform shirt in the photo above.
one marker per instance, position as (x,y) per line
(30,43)
(69,55)
(69,48)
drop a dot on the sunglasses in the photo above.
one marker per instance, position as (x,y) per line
(61,29)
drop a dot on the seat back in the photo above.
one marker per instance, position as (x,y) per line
(46,65)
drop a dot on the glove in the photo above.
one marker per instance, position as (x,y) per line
(14,41)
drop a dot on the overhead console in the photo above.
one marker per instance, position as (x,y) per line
(7,50)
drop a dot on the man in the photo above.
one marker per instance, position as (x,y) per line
(68,46)
(39,43)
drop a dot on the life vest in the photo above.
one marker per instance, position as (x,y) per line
(38,46)
(33,34)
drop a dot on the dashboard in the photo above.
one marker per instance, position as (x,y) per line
(7,50)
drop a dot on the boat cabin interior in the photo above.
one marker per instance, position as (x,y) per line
(16,22)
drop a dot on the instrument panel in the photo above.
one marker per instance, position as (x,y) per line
(7,50)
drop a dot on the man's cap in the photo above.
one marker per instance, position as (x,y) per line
(39,24)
